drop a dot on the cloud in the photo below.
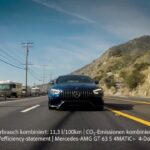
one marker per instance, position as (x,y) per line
(62,10)
(124,20)
(119,18)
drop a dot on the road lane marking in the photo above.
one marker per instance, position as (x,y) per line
(28,109)
(134,101)
(139,120)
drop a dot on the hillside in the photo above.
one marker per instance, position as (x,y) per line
(123,69)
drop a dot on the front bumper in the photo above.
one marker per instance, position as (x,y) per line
(86,99)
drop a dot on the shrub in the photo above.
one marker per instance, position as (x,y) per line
(115,53)
(141,66)
(133,79)
(109,81)
(98,77)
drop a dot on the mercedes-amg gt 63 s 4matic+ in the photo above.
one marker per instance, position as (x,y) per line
(75,90)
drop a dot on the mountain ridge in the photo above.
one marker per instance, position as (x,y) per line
(123,69)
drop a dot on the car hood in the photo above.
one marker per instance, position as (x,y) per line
(76,86)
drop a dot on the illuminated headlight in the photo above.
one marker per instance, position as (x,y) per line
(55,91)
(98,91)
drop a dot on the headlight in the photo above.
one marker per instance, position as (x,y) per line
(98,91)
(55,91)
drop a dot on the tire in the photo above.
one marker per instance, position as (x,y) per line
(49,106)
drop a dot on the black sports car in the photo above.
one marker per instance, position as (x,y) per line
(75,90)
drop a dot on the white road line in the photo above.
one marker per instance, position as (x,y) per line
(28,109)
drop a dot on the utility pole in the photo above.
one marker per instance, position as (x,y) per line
(27,45)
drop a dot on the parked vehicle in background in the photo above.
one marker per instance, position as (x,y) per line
(35,91)
(23,91)
(10,88)
(43,88)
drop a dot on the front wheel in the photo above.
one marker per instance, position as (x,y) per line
(49,106)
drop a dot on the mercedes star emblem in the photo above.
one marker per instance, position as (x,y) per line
(76,94)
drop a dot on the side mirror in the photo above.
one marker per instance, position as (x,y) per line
(96,82)
(52,82)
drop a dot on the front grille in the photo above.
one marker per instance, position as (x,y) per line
(73,94)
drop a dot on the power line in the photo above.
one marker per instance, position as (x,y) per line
(6,59)
(34,76)
(33,71)
(10,56)
(44,73)
(10,64)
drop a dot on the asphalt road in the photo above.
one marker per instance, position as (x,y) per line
(20,119)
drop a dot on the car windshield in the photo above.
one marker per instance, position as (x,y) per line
(4,86)
(74,79)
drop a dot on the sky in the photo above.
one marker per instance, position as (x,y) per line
(66,34)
